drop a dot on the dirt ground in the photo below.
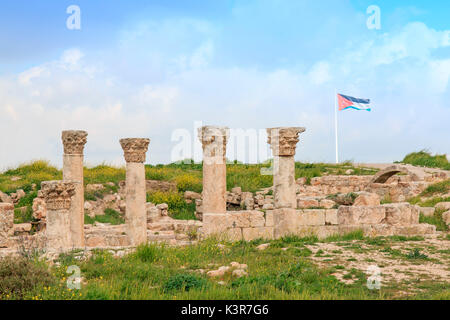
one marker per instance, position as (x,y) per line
(400,263)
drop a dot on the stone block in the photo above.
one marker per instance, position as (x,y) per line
(415,229)
(269,218)
(247,218)
(427,211)
(443,206)
(311,217)
(401,214)
(233,234)
(6,223)
(367,199)
(249,234)
(216,223)
(331,217)
(304,203)
(327,203)
(361,215)
(446,217)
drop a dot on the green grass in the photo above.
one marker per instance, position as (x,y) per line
(429,202)
(426,159)
(23,216)
(440,187)
(158,271)
(29,174)
(111,216)
(178,207)
(436,220)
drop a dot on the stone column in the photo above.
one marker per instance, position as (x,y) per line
(6,223)
(135,214)
(58,196)
(74,142)
(283,142)
(214,142)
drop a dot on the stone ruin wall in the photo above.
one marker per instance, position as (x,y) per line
(270,213)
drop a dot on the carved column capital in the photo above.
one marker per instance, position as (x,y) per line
(57,194)
(134,149)
(283,140)
(214,140)
(74,141)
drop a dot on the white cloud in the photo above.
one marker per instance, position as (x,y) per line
(79,91)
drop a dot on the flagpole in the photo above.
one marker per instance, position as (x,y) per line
(336,124)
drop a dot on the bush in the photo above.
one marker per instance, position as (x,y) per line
(416,254)
(188,182)
(425,159)
(174,200)
(184,282)
(103,174)
(20,275)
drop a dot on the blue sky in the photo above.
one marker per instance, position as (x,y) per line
(149,68)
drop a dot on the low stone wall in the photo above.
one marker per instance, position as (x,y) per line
(397,190)
(383,220)
(332,184)
(238,225)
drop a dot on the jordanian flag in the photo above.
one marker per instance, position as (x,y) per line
(347,102)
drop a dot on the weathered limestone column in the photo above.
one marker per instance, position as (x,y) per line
(74,142)
(6,223)
(283,142)
(135,214)
(58,196)
(214,141)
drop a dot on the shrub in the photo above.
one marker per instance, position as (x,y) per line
(425,159)
(27,200)
(147,253)
(174,200)
(184,282)
(416,254)
(23,216)
(188,182)
(103,174)
(19,275)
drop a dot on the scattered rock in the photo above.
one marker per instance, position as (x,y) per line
(39,209)
(22,228)
(367,199)
(191,195)
(443,206)
(239,273)
(215,273)
(95,187)
(427,211)
(263,246)
(446,217)
(236,190)
(326,203)
(5,198)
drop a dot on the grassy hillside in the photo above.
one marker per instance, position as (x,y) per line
(426,159)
